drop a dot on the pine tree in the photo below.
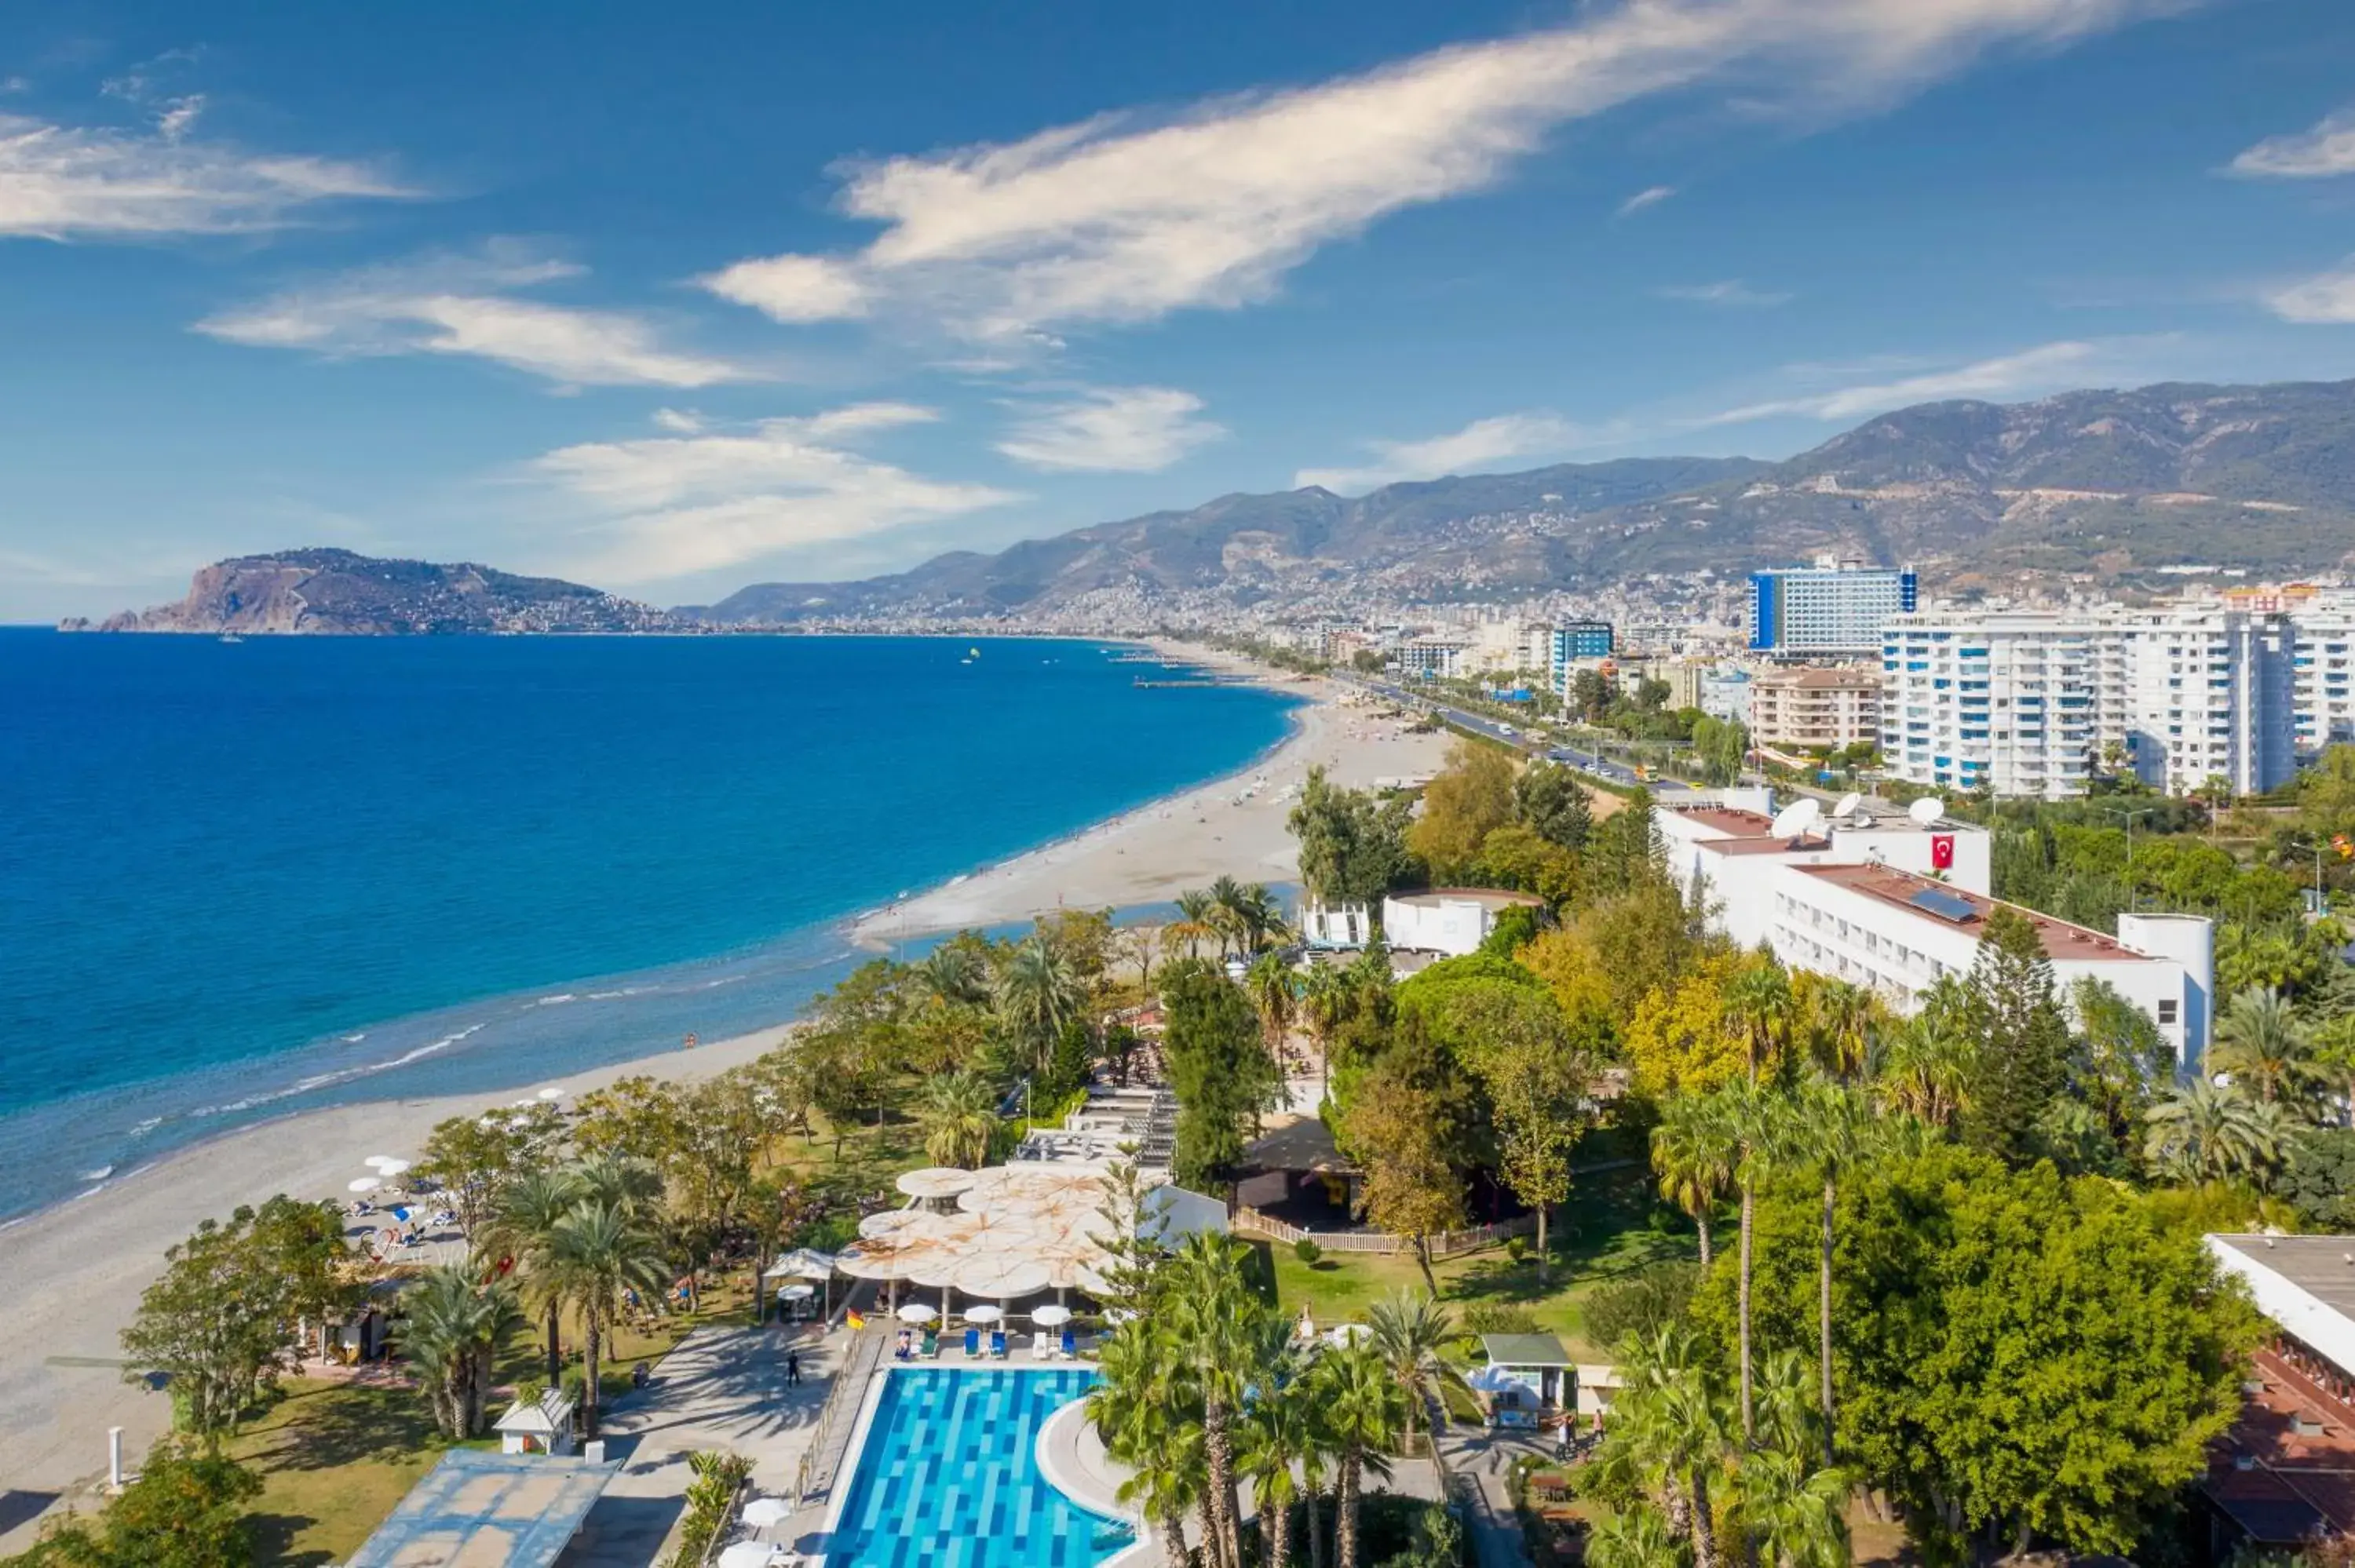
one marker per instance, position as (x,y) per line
(2022,1038)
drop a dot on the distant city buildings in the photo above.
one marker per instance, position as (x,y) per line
(1573,643)
(1832,608)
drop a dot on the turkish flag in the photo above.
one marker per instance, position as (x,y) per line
(1942,851)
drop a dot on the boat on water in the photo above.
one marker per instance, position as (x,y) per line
(230,637)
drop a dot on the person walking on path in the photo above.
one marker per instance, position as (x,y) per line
(792,1369)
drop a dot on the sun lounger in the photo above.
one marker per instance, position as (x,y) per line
(932,1352)
(998,1344)
(972,1344)
(1043,1346)
(1071,1345)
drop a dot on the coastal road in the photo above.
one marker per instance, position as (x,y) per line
(1593,762)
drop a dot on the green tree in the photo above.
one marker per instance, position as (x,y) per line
(471,1157)
(2260,1041)
(1361,1406)
(1553,803)
(2200,1132)
(1038,995)
(1470,798)
(1275,993)
(1405,1123)
(1695,1151)
(1219,1069)
(219,1322)
(1410,1334)
(600,1255)
(186,1509)
(1537,1080)
(2022,1037)
(1149,1414)
(1352,847)
(519,1238)
(960,1119)
(1670,1437)
(454,1325)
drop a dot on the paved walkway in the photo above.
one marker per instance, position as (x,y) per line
(1478,1457)
(721,1388)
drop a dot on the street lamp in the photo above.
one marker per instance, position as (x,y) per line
(2134,899)
(2314,848)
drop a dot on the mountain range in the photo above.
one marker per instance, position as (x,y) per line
(2108,484)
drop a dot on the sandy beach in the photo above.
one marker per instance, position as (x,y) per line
(1232,826)
(75,1271)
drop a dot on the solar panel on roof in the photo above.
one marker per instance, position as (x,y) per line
(1944,905)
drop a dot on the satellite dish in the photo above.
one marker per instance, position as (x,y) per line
(1794,820)
(1847,804)
(1926,809)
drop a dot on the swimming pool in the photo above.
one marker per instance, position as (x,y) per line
(948,1479)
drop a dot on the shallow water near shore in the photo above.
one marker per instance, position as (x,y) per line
(243,881)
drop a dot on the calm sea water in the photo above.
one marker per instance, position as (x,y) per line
(240,880)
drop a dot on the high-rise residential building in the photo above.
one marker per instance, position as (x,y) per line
(1799,709)
(1725,694)
(1829,608)
(2035,702)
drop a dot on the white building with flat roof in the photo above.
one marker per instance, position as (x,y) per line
(1895,905)
(1450,921)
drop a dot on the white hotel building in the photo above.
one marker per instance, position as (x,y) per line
(2034,702)
(1894,905)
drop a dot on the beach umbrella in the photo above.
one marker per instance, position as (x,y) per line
(889,1224)
(763,1512)
(1052,1317)
(748,1554)
(983,1314)
(918,1312)
(801,1263)
(391,1167)
(1001,1273)
(525,1104)
(552,1094)
(795,1292)
(381,1161)
(935,1181)
(363,1184)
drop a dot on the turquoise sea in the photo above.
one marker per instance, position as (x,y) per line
(238,881)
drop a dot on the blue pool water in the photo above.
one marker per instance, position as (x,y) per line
(948,1477)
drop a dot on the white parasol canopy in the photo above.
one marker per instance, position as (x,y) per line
(890,1223)
(748,1554)
(919,1312)
(982,1314)
(552,1093)
(763,1512)
(1051,1316)
(801,1263)
(795,1292)
(365,1184)
(935,1181)
(391,1167)
(1001,1273)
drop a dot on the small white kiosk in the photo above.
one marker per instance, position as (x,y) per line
(541,1428)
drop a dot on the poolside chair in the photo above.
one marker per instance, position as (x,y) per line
(1043,1346)
(998,1344)
(1071,1345)
(932,1351)
(972,1344)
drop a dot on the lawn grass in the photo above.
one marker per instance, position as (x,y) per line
(1607,1231)
(334,1457)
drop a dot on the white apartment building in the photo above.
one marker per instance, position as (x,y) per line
(2034,702)
(1895,905)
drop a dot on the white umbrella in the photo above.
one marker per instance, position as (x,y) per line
(525,1104)
(795,1292)
(763,1512)
(890,1223)
(363,1184)
(919,1312)
(748,1554)
(1001,1273)
(552,1094)
(1051,1316)
(983,1314)
(801,1263)
(391,1167)
(935,1181)
(382,1159)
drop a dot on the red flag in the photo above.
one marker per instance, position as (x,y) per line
(1942,851)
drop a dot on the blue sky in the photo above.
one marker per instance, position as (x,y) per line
(676,299)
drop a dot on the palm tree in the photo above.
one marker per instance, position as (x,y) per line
(1408,1332)
(1144,1411)
(1847,1018)
(1921,1067)
(1693,1150)
(2264,1047)
(521,1231)
(1227,916)
(1324,992)
(1668,1435)
(1796,1515)
(1758,1121)
(1270,982)
(1758,1002)
(1275,1435)
(1361,1403)
(1037,993)
(2200,1132)
(959,1113)
(1214,1318)
(1635,1537)
(602,1253)
(951,974)
(1836,1137)
(1259,916)
(1197,923)
(456,1324)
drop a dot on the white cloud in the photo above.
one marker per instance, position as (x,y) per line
(1116,429)
(2045,368)
(460,305)
(1117,220)
(2325,298)
(1479,445)
(667,506)
(1650,196)
(1730,292)
(2326,149)
(66,183)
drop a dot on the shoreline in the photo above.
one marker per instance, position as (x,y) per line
(81,1262)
